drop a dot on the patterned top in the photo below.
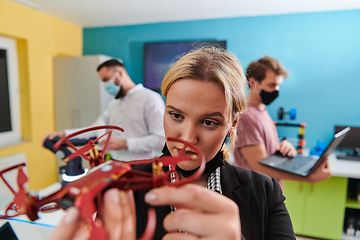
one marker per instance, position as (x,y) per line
(214,182)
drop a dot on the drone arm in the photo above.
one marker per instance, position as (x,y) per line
(52,198)
(7,170)
(80,152)
(93,129)
(103,151)
(198,172)
(140,162)
(150,226)
(6,212)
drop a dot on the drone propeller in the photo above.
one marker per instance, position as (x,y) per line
(21,178)
(95,157)
(169,160)
(22,194)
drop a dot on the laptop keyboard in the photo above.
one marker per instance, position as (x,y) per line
(292,165)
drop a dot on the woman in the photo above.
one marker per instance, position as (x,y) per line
(205,95)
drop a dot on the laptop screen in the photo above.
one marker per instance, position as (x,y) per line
(352,140)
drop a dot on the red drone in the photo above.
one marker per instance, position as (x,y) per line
(86,192)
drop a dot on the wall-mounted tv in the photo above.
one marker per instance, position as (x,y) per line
(158,57)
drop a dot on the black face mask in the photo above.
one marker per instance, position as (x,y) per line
(268,97)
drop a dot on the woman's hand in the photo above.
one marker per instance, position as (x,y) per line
(119,219)
(201,213)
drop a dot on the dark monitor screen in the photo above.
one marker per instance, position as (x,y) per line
(5,119)
(351,140)
(159,56)
(7,233)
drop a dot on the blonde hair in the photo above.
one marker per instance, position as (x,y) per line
(216,65)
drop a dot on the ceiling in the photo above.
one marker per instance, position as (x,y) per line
(100,13)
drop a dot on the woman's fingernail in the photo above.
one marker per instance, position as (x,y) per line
(114,196)
(123,197)
(71,215)
(150,196)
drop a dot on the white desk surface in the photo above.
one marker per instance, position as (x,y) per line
(40,229)
(344,168)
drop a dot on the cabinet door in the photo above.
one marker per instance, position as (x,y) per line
(324,208)
(79,94)
(295,203)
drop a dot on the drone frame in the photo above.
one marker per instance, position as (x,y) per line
(86,192)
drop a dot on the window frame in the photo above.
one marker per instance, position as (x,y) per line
(14,135)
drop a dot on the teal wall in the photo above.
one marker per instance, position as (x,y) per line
(320,50)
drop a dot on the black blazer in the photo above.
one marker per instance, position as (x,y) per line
(263,214)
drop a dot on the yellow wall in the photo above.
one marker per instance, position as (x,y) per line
(40,38)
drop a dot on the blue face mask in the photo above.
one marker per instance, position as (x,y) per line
(111,87)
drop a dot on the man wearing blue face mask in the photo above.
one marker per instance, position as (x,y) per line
(257,134)
(138,110)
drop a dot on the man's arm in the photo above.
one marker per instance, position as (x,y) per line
(154,113)
(286,148)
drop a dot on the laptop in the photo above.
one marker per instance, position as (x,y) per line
(301,165)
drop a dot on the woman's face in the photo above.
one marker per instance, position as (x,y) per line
(196,112)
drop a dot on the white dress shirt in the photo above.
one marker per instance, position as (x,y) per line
(140,113)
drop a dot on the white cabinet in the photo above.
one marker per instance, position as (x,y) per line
(79,94)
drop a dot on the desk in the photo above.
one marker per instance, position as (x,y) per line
(344,168)
(318,210)
(41,229)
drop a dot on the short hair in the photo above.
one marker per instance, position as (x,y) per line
(257,69)
(110,63)
(211,64)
